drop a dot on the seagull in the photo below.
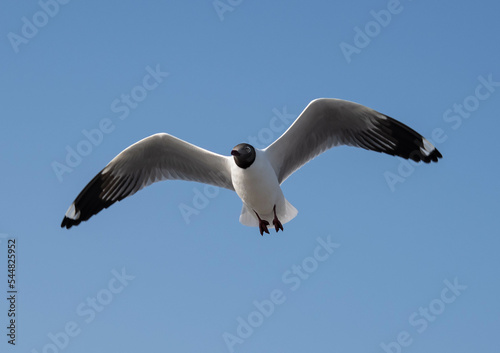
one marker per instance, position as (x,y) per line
(254,174)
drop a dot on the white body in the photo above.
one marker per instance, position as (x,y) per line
(260,191)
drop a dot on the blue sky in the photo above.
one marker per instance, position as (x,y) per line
(384,255)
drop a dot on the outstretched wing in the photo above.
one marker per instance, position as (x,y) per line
(326,123)
(157,157)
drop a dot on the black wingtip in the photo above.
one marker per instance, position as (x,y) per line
(434,156)
(409,144)
(89,201)
(68,222)
(418,156)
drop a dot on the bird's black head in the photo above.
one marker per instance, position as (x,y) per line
(244,155)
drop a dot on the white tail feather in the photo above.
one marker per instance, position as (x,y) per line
(285,214)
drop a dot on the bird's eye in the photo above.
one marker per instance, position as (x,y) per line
(248,149)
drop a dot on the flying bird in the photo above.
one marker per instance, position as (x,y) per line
(254,174)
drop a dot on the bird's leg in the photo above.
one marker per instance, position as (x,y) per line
(262,224)
(277,224)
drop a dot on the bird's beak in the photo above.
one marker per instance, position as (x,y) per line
(235,153)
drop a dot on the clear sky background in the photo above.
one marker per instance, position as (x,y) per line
(415,264)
